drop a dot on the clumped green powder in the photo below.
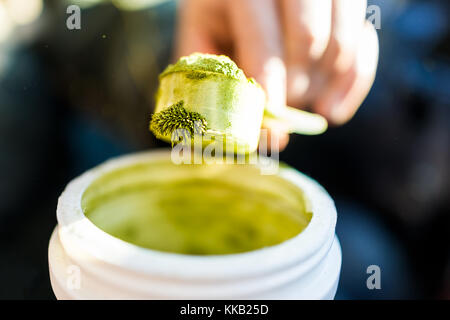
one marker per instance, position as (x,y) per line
(200,62)
(196,75)
(177,117)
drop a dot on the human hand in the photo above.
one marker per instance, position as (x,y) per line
(317,54)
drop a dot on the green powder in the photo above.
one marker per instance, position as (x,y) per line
(176,117)
(199,63)
(199,210)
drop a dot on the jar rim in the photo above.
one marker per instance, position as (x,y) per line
(78,234)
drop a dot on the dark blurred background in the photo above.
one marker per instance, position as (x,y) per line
(71,99)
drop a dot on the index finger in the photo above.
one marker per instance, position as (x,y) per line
(258,46)
(195,27)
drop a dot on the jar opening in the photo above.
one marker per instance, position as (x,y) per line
(196,209)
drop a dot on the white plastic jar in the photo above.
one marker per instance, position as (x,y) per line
(87,263)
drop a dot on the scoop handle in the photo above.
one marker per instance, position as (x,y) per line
(297,121)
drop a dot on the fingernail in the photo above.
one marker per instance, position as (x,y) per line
(333,108)
(337,114)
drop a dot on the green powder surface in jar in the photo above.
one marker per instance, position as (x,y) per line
(196,209)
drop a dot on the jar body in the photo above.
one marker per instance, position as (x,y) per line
(320,284)
(87,263)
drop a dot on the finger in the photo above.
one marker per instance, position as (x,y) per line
(347,23)
(346,93)
(278,140)
(273,135)
(197,25)
(306,28)
(258,48)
